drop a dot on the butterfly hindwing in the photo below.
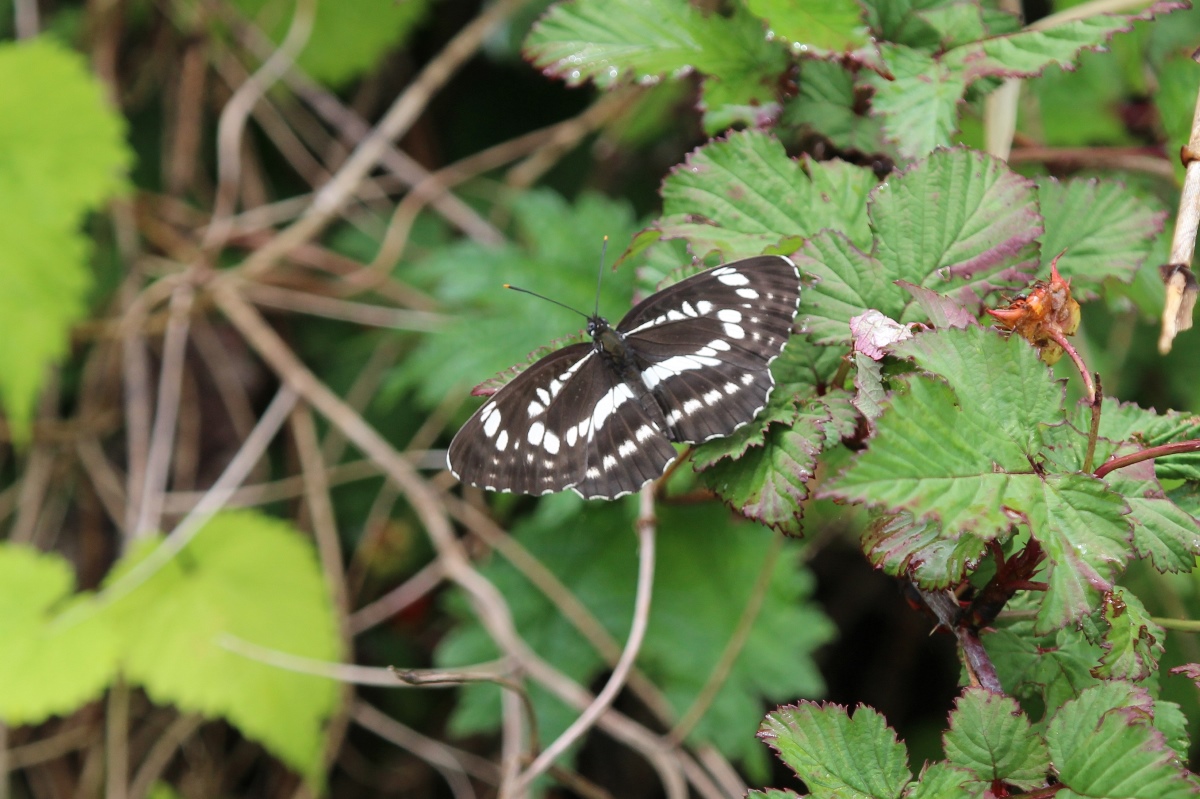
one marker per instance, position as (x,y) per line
(687,364)
(565,422)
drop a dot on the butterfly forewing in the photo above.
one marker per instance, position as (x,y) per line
(693,365)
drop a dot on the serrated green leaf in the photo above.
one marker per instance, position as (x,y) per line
(1054,668)
(47,667)
(1173,724)
(743,195)
(171,627)
(606,41)
(742,76)
(823,28)
(773,793)
(347,39)
(1162,530)
(960,223)
(939,310)
(829,104)
(1027,53)
(1105,230)
(64,155)
(920,551)
(1104,744)
(964,455)
(553,259)
(1133,642)
(769,483)
(1000,378)
(1081,526)
(598,562)
(919,105)
(957,223)
(990,737)
(838,755)
(868,384)
(943,781)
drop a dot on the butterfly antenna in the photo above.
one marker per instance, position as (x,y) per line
(547,299)
(600,276)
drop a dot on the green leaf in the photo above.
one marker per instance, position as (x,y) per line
(943,781)
(838,755)
(1104,744)
(1027,53)
(1178,84)
(869,392)
(607,41)
(992,738)
(173,624)
(769,483)
(821,28)
(743,195)
(743,70)
(1133,643)
(773,793)
(920,551)
(829,103)
(347,39)
(1162,531)
(919,105)
(48,666)
(1053,668)
(959,223)
(964,455)
(1105,230)
(598,563)
(64,156)
(553,258)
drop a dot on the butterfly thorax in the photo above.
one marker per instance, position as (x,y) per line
(610,344)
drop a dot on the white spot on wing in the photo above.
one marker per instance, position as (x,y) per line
(491,422)
(731,388)
(712,397)
(729,315)
(626,449)
(550,443)
(502,440)
(536,430)
(704,306)
(720,344)
(735,331)
(536,408)
(608,404)
(691,406)
(749,294)
(609,463)
(644,432)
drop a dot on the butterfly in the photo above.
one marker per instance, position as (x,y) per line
(687,364)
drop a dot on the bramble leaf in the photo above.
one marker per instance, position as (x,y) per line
(990,737)
(940,781)
(1104,744)
(838,755)
(919,105)
(49,665)
(920,552)
(1103,230)
(1133,643)
(743,195)
(172,625)
(769,483)
(65,154)
(825,28)
(958,223)
(830,104)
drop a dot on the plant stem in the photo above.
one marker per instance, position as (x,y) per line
(1112,464)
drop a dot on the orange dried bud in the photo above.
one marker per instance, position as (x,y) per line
(1048,309)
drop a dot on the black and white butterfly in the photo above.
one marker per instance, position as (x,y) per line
(687,364)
